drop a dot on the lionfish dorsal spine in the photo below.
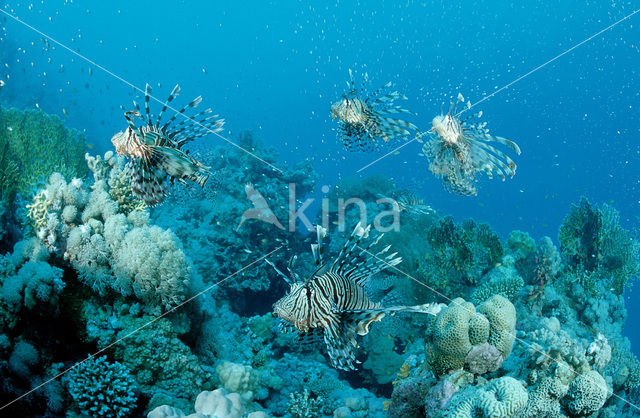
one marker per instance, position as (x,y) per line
(147,95)
(318,249)
(286,278)
(173,95)
(193,103)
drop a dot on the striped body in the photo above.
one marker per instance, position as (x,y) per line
(315,303)
(335,302)
(364,120)
(155,151)
(459,150)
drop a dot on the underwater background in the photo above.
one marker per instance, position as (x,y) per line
(106,264)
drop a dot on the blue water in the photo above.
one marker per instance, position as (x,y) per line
(275,67)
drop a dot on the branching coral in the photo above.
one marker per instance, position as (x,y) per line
(302,405)
(102,389)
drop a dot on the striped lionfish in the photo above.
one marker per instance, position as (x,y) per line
(408,202)
(363,120)
(459,149)
(155,151)
(335,302)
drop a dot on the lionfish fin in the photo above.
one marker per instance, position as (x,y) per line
(173,95)
(318,249)
(147,181)
(280,273)
(147,94)
(341,343)
(358,263)
(193,103)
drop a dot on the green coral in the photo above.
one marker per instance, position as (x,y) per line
(595,246)
(456,329)
(520,244)
(460,254)
(32,146)
(459,327)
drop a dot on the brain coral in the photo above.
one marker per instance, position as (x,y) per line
(455,330)
(458,328)
(502,316)
(501,398)
(587,394)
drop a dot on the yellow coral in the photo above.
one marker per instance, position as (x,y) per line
(37,211)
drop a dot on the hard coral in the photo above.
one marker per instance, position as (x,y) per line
(102,389)
(458,328)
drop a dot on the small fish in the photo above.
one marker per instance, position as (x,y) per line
(64,112)
(2,83)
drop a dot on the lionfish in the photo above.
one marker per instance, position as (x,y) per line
(459,150)
(364,119)
(334,302)
(409,203)
(155,151)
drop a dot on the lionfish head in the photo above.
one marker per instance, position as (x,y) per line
(337,109)
(118,140)
(291,307)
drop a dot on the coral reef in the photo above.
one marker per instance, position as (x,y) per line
(529,331)
(112,247)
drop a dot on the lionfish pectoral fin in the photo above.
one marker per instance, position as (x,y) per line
(341,345)
(147,182)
